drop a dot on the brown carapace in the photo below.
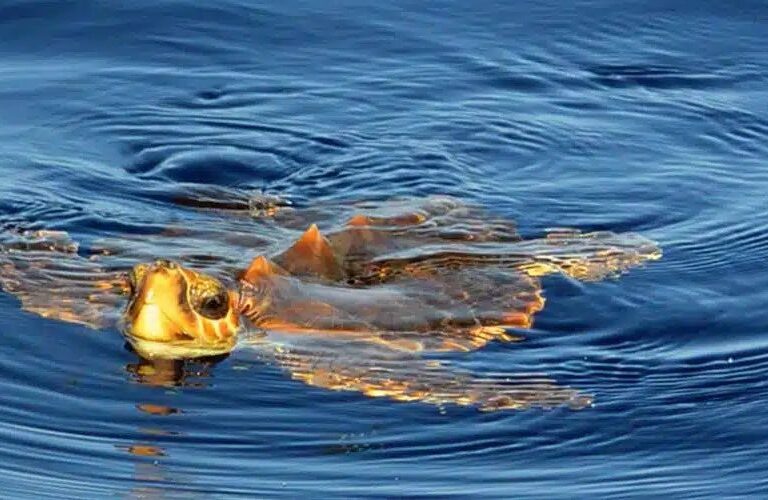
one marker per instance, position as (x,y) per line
(358,308)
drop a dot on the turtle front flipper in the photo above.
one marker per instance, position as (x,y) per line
(436,309)
(586,256)
(45,272)
(407,378)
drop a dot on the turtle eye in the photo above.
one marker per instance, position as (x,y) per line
(214,306)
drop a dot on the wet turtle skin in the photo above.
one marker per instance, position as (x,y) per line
(359,308)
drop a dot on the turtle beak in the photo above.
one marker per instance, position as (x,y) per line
(154,290)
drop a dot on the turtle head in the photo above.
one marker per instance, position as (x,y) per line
(175,312)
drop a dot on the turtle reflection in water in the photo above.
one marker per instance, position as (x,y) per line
(363,307)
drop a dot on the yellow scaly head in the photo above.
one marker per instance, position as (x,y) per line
(175,312)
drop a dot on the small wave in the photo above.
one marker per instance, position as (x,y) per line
(227,165)
(656,77)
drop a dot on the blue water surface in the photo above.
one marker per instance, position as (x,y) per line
(620,115)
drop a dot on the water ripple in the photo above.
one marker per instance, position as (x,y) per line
(201,133)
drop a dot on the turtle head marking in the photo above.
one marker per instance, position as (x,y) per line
(175,312)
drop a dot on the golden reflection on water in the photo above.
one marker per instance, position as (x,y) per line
(145,450)
(155,409)
(173,372)
(150,473)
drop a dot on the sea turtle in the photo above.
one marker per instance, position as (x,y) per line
(362,307)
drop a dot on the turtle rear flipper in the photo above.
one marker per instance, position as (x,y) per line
(583,256)
(586,256)
(407,378)
(45,272)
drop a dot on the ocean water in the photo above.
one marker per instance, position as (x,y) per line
(646,117)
